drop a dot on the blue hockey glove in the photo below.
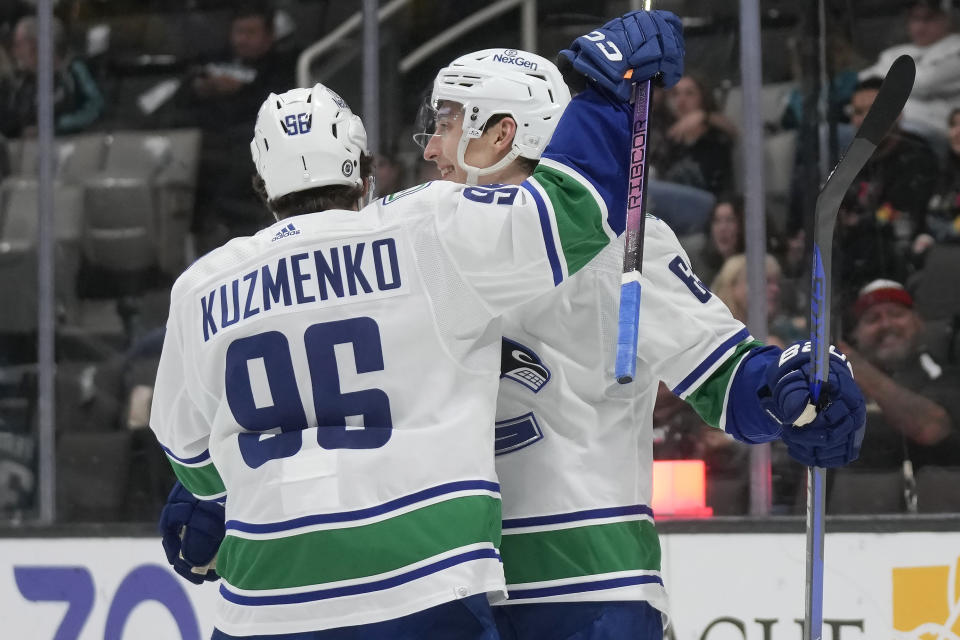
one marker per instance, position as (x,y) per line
(648,42)
(829,438)
(201,523)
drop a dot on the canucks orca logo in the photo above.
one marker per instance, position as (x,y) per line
(521,364)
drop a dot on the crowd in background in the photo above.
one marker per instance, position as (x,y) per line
(898,249)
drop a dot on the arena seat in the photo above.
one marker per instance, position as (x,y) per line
(18,265)
(88,395)
(13,155)
(165,155)
(92,471)
(936,293)
(773,99)
(118,229)
(168,160)
(938,489)
(19,227)
(856,491)
(18,221)
(728,495)
(80,156)
(76,158)
(779,147)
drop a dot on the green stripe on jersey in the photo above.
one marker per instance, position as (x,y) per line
(330,555)
(200,481)
(580,551)
(708,398)
(577,214)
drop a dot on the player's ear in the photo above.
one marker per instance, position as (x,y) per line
(504,132)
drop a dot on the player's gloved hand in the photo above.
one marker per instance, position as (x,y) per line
(201,523)
(647,42)
(833,436)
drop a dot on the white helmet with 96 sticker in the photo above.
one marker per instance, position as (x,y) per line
(307,138)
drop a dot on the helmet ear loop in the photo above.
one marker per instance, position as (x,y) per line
(369,192)
(474,173)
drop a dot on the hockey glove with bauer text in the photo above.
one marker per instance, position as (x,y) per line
(192,532)
(833,437)
(770,395)
(647,42)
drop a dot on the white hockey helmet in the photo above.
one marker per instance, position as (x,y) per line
(307,138)
(527,87)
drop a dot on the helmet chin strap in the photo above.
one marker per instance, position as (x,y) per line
(369,192)
(474,173)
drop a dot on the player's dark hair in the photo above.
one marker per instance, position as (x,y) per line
(528,164)
(318,198)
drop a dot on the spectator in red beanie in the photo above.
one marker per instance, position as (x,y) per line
(913,402)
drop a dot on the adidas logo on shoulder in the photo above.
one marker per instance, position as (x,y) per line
(286,232)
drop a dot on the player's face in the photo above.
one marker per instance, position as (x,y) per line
(886,333)
(441,147)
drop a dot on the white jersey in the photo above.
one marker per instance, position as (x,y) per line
(575,447)
(334,377)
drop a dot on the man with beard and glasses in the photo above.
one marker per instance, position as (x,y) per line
(913,404)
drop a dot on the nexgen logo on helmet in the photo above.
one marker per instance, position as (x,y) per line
(511,56)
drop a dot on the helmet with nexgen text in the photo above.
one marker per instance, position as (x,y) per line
(307,138)
(527,87)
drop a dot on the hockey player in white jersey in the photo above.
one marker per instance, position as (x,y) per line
(574,448)
(333,377)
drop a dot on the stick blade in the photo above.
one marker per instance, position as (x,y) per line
(884,111)
(889,102)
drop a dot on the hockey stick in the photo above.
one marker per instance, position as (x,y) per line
(629,314)
(883,113)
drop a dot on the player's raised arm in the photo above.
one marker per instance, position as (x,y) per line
(574,204)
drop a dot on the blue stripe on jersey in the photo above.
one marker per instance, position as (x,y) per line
(369,512)
(547,231)
(580,587)
(355,589)
(194,460)
(710,360)
(589,514)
